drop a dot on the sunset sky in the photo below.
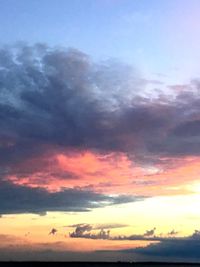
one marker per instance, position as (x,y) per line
(100,130)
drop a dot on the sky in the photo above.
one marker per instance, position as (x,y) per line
(100,130)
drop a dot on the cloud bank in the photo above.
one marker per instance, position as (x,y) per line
(23,199)
(57,101)
(53,98)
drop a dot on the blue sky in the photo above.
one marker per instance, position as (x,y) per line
(145,33)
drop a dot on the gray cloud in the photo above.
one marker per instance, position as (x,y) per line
(87,231)
(84,231)
(23,199)
(57,100)
(188,129)
(171,249)
(185,249)
(80,230)
(48,253)
(53,98)
(173,232)
(150,232)
(182,250)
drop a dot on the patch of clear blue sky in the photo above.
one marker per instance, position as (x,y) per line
(149,33)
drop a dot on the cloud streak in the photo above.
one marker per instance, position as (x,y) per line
(23,199)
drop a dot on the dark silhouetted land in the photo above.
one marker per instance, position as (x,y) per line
(100,264)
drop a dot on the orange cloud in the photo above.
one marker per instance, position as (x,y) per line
(111,173)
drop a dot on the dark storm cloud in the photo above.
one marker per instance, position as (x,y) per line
(52,98)
(176,248)
(23,199)
(184,249)
(188,129)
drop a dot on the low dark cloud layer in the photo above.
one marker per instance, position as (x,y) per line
(88,231)
(183,249)
(20,253)
(23,199)
(173,250)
